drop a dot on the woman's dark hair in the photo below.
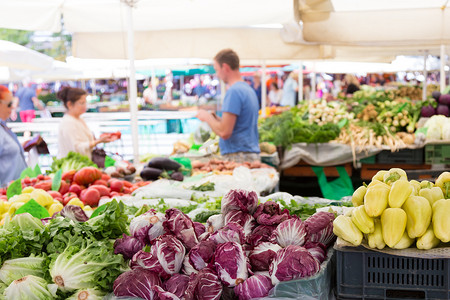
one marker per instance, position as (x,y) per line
(275,85)
(68,94)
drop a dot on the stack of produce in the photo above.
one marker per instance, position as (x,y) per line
(223,167)
(438,128)
(396,212)
(323,112)
(162,167)
(68,256)
(73,161)
(243,251)
(439,105)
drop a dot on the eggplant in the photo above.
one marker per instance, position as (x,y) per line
(150,173)
(164,163)
(177,176)
(436,95)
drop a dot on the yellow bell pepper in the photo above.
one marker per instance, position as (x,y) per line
(41,197)
(27,190)
(344,228)
(416,187)
(76,201)
(425,184)
(393,175)
(55,207)
(400,191)
(418,210)
(441,220)
(405,242)
(20,198)
(375,239)
(358,196)
(432,195)
(443,182)
(88,208)
(376,199)
(362,220)
(374,182)
(4,206)
(14,206)
(380,175)
(393,225)
(428,240)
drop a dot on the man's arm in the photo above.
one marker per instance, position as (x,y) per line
(222,127)
(37,103)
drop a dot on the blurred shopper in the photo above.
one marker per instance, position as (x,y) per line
(74,134)
(257,87)
(12,158)
(238,127)
(149,95)
(352,84)
(27,102)
(290,90)
(275,94)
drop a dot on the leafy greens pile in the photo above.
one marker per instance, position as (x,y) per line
(73,161)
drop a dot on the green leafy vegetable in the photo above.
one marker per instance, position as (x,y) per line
(56,182)
(204,215)
(73,161)
(204,187)
(37,170)
(15,188)
(28,172)
(34,209)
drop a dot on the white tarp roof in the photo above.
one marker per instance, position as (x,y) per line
(19,57)
(413,23)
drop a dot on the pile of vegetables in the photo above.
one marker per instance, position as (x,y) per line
(438,128)
(162,167)
(392,211)
(73,161)
(293,126)
(223,167)
(440,105)
(68,256)
(323,112)
(242,252)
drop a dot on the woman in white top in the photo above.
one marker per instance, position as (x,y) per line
(74,135)
(275,94)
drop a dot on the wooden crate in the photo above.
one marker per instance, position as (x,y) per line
(369,170)
(303,169)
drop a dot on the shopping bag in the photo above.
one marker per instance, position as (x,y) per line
(335,189)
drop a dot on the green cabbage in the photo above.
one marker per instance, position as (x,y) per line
(87,294)
(20,267)
(30,288)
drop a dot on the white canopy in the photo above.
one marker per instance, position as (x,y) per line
(18,57)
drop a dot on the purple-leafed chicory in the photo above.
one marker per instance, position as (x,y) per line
(74,212)
(161,294)
(177,284)
(245,201)
(188,269)
(202,254)
(147,261)
(254,287)
(170,253)
(231,263)
(127,246)
(270,213)
(136,283)
(262,255)
(199,228)
(147,226)
(317,250)
(261,233)
(244,219)
(214,223)
(291,263)
(230,233)
(320,228)
(205,285)
(290,232)
(181,226)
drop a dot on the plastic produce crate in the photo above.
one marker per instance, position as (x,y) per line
(437,154)
(404,156)
(365,274)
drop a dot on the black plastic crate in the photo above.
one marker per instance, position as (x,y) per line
(365,274)
(403,156)
(437,154)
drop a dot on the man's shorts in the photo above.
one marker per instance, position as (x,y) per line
(241,157)
(27,116)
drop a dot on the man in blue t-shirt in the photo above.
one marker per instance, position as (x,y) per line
(238,127)
(27,102)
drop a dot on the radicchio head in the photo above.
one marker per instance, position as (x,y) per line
(231,263)
(290,232)
(181,226)
(242,200)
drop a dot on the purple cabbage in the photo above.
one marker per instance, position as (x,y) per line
(199,229)
(242,200)
(136,283)
(127,246)
(231,263)
(181,226)
(204,286)
(254,287)
(177,284)
(261,257)
(270,213)
(214,223)
(74,212)
(243,219)
(317,250)
(261,233)
(161,294)
(147,226)
(320,228)
(170,253)
(291,263)
(188,269)
(145,260)
(231,233)
(205,236)
(290,232)
(202,254)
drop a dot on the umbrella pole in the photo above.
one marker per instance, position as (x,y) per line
(425,75)
(300,82)
(263,90)
(132,85)
(443,63)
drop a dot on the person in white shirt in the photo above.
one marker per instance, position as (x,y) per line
(275,94)
(74,134)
